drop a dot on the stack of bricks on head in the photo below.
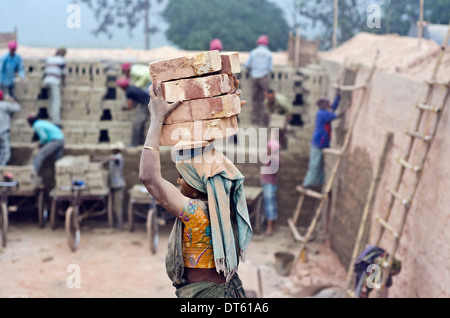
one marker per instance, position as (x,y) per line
(205,84)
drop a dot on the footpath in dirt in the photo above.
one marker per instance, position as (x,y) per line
(38,263)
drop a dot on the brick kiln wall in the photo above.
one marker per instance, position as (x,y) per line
(423,248)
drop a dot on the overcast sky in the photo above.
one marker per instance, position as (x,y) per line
(44,24)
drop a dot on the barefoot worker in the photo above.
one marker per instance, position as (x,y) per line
(212,228)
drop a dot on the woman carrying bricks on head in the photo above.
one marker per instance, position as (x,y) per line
(212,228)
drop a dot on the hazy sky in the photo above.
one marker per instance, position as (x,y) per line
(44,24)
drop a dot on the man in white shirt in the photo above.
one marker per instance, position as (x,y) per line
(7,109)
(260,66)
(53,78)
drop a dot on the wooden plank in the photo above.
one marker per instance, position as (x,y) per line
(294,231)
(349,87)
(309,192)
(331,151)
(387,226)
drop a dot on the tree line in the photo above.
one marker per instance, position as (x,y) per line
(238,23)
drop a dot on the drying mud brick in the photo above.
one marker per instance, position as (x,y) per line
(199,130)
(230,63)
(188,66)
(207,108)
(198,87)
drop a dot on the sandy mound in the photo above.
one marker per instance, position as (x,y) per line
(398,54)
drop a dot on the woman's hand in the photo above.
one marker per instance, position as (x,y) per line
(238,90)
(158,107)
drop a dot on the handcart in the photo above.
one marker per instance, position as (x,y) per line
(5,187)
(142,204)
(28,194)
(77,203)
(254,197)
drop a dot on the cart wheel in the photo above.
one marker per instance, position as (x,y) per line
(259,216)
(152,230)
(130,216)
(72,229)
(3,222)
(40,207)
(110,211)
(53,215)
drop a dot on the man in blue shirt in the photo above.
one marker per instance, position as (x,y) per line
(141,98)
(51,140)
(260,66)
(10,64)
(315,177)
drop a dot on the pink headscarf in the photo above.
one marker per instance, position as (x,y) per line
(1,95)
(126,66)
(264,40)
(12,45)
(215,44)
(123,82)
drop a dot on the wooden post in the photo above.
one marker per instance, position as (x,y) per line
(147,25)
(368,206)
(297,48)
(335,24)
(420,25)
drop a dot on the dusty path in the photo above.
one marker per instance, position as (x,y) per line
(119,264)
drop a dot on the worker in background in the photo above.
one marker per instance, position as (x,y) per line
(10,64)
(215,44)
(315,176)
(116,181)
(54,76)
(140,97)
(269,182)
(8,107)
(260,65)
(280,110)
(51,140)
(137,74)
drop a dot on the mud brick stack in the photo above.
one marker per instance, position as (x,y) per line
(205,83)
(21,132)
(26,176)
(70,168)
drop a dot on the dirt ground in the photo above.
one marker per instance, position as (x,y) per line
(38,263)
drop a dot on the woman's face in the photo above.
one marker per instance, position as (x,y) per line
(187,190)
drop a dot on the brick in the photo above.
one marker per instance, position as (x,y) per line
(230,63)
(208,130)
(207,108)
(198,87)
(187,66)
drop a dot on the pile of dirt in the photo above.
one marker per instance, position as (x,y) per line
(398,54)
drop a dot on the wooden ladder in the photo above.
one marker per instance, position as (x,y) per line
(323,196)
(420,137)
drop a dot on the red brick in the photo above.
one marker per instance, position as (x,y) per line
(198,87)
(230,63)
(187,66)
(206,108)
(199,130)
